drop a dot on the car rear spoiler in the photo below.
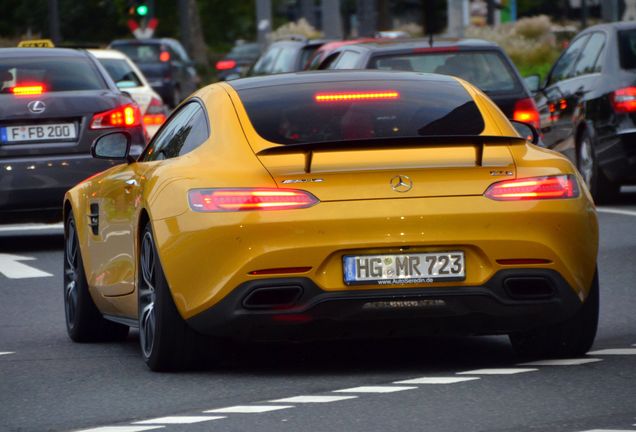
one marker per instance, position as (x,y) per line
(383,143)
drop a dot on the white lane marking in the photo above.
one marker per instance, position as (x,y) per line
(374,389)
(313,399)
(610,430)
(436,380)
(616,211)
(180,419)
(497,371)
(121,429)
(6,353)
(614,351)
(31,227)
(11,268)
(247,409)
(561,362)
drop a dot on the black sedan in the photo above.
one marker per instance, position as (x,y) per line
(479,62)
(588,106)
(53,103)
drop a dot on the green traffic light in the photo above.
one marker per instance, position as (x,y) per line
(142,10)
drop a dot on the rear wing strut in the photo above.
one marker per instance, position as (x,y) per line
(383,143)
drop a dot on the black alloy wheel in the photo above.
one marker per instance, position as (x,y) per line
(84,322)
(167,342)
(571,338)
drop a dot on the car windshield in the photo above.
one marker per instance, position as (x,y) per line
(140,53)
(627,48)
(485,69)
(53,74)
(120,71)
(299,113)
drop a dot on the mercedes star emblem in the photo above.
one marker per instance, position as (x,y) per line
(401,183)
(36,107)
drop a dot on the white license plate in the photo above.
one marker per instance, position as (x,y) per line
(42,132)
(418,268)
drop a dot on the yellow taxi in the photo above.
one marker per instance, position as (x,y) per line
(325,205)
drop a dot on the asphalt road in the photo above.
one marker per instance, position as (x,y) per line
(434,384)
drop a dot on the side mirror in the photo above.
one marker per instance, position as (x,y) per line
(113,146)
(527,131)
(533,82)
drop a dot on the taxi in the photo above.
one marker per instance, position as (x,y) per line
(53,103)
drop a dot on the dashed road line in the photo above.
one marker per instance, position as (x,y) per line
(249,409)
(31,227)
(7,353)
(615,351)
(436,380)
(12,268)
(497,371)
(561,362)
(180,420)
(121,429)
(616,211)
(374,389)
(610,430)
(313,399)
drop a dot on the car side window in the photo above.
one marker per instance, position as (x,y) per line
(348,60)
(330,61)
(265,63)
(285,61)
(172,135)
(564,67)
(589,62)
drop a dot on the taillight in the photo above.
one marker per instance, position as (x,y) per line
(220,200)
(124,116)
(155,114)
(225,64)
(164,56)
(534,188)
(356,96)
(28,89)
(526,111)
(624,100)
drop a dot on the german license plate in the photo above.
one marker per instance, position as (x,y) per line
(404,268)
(34,133)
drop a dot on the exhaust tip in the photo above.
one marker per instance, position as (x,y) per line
(273,297)
(529,288)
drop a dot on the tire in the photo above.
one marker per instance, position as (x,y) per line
(84,322)
(571,338)
(602,189)
(167,342)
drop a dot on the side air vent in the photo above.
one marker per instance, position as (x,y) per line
(93,218)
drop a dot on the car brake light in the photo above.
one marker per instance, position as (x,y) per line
(218,200)
(225,64)
(164,56)
(124,116)
(155,114)
(28,89)
(624,100)
(534,188)
(356,96)
(526,111)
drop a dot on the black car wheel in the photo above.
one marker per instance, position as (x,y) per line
(571,338)
(84,323)
(601,188)
(167,342)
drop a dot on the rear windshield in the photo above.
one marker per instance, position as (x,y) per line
(140,53)
(121,72)
(361,110)
(53,74)
(485,69)
(627,48)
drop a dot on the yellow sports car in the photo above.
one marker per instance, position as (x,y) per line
(331,205)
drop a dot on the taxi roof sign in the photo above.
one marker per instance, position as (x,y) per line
(36,43)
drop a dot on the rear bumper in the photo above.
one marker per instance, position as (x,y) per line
(497,307)
(34,187)
(617,157)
